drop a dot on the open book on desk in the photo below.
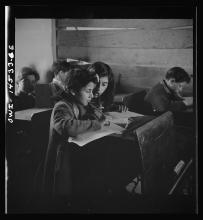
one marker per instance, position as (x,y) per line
(87,137)
(115,118)
(121,117)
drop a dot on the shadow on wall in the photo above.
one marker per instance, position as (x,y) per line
(49,75)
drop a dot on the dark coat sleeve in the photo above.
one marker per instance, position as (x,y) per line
(165,104)
(66,124)
(161,101)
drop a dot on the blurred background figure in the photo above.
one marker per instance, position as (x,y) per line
(25,92)
(61,70)
(166,95)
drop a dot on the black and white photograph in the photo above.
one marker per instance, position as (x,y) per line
(101,109)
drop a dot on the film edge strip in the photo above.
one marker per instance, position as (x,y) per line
(10,83)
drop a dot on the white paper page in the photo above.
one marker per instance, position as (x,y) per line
(87,137)
(121,117)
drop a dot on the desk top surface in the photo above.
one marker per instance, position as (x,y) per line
(28,113)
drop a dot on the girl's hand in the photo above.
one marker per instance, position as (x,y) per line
(106,123)
(122,108)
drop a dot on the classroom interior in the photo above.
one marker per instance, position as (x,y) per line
(139,51)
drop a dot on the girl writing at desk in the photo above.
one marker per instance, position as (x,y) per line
(91,170)
(71,116)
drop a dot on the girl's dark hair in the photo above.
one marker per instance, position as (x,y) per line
(79,78)
(179,74)
(102,69)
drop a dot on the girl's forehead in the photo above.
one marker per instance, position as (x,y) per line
(90,85)
(104,79)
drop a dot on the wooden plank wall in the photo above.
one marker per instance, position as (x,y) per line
(142,55)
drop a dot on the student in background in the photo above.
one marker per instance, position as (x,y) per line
(25,95)
(166,95)
(61,70)
(104,93)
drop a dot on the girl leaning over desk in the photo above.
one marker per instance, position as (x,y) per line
(104,91)
(106,163)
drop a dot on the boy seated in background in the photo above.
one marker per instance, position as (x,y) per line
(25,95)
(61,71)
(166,96)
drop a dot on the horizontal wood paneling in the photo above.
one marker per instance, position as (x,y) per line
(137,23)
(142,56)
(147,57)
(163,39)
(131,85)
(142,76)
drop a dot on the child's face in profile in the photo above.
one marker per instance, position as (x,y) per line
(103,84)
(177,87)
(85,95)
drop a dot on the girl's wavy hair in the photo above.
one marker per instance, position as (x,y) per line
(78,78)
(102,69)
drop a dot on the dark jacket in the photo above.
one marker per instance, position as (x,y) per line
(162,99)
(24,101)
(56,93)
(68,119)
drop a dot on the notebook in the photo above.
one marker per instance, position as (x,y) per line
(87,137)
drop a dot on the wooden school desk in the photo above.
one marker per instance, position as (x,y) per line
(25,147)
(156,144)
(153,137)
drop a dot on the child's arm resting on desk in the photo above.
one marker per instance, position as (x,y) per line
(163,103)
(188,101)
(66,124)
